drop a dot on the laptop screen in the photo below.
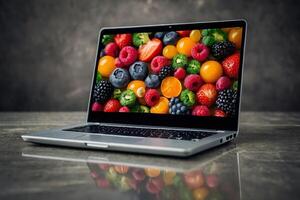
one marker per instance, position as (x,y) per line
(179,72)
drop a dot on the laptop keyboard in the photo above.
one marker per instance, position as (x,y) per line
(141,132)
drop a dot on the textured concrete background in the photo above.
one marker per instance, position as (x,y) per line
(47,47)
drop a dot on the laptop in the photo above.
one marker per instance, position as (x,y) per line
(213,175)
(171,89)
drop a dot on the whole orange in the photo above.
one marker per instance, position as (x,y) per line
(185,45)
(106,65)
(211,71)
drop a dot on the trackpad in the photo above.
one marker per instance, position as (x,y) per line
(110,139)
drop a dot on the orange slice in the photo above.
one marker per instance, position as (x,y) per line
(170,87)
(162,107)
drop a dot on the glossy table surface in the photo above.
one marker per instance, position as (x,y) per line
(262,163)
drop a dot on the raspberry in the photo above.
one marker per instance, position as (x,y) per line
(223,83)
(112,105)
(111,49)
(201,111)
(200,52)
(158,62)
(119,63)
(152,97)
(128,55)
(124,109)
(193,82)
(180,73)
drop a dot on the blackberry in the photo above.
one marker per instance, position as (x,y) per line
(227,100)
(165,71)
(221,50)
(176,107)
(103,91)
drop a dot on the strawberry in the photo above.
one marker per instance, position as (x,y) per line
(185,33)
(150,50)
(123,40)
(219,113)
(207,94)
(112,105)
(201,111)
(231,65)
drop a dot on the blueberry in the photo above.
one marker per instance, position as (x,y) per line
(152,81)
(170,38)
(178,105)
(138,70)
(170,110)
(177,112)
(174,107)
(176,100)
(183,108)
(172,101)
(119,78)
(159,35)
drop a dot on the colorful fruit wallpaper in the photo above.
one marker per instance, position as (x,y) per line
(188,72)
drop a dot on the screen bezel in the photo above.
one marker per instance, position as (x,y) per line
(182,121)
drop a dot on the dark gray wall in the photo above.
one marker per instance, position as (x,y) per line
(47,47)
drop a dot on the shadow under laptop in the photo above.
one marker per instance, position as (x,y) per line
(210,175)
